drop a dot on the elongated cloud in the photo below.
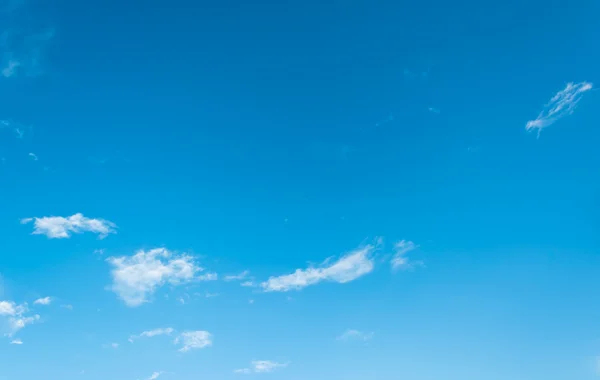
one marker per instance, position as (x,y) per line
(137,277)
(348,268)
(191,340)
(561,105)
(43,301)
(58,227)
(152,333)
(261,366)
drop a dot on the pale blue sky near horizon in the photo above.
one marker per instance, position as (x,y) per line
(426,170)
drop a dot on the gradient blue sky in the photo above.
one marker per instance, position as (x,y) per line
(456,139)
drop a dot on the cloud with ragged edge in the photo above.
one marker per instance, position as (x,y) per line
(23,41)
(58,227)
(562,104)
(399,258)
(349,267)
(136,278)
(14,317)
(193,340)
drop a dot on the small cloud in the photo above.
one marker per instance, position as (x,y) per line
(248,284)
(152,333)
(251,301)
(562,104)
(17,341)
(190,340)
(135,278)
(355,335)
(399,259)
(237,277)
(33,156)
(211,295)
(433,110)
(261,366)
(155,375)
(98,252)
(43,301)
(114,345)
(15,317)
(58,227)
(68,307)
(349,267)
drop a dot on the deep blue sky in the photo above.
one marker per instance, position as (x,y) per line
(272,136)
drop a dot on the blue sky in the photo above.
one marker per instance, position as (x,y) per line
(291,190)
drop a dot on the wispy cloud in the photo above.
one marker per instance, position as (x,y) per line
(355,335)
(58,227)
(43,301)
(16,317)
(562,104)
(33,156)
(23,41)
(237,277)
(349,267)
(261,366)
(191,340)
(17,341)
(152,333)
(137,277)
(155,375)
(399,259)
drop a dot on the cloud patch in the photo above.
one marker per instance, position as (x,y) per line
(399,259)
(261,366)
(58,227)
(562,104)
(14,317)
(152,333)
(350,335)
(43,301)
(135,278)
(348,268)
(192,340)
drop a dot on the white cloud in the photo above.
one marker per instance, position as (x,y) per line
(137,277)
(155,375)
(58,227)
(190,340)
(114,345)
(561,104)
(348,268)
(17,323)
(248,284)
(17,341)
(68,307)
(33,156)
(355,335)
(261,366)
(43,301)
(237,277)
(399,259)
(10,308)
(152,333)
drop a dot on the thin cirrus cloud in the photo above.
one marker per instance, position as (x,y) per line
(399,259)
(348,268)
(562,104)
(237,277)
(261,366)
(58,227)
(192,340)
(135,278)
(152,333)
(350,335)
